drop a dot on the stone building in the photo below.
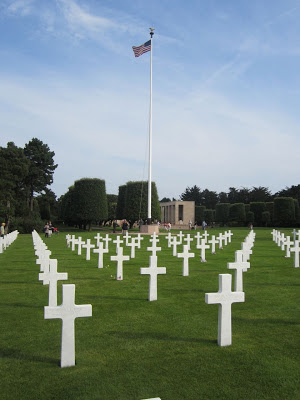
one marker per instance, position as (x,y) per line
(178,212)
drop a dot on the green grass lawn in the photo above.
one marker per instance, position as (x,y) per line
(133,349)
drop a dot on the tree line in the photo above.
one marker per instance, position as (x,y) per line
(239,207)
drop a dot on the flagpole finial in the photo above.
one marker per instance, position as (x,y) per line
(151,32)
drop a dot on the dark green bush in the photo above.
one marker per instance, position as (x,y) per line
(237,214)
(284,211)
(199,214)
(258,207)
(222,213)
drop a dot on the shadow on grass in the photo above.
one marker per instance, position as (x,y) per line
(159,336)
(260,321)
(40,306)
(185,290)
(117,298)
(273,284)
(18,355)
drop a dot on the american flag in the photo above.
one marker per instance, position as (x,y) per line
(138,51)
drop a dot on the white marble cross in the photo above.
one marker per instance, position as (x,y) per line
(88,246)
(273,233)
(106,239)
(73,242)
(153,271)
(154,248)
(44,267)
(296,250)
(50,278)
(225,297)
(68,237)
(185,255)
(120,258)
(202,247)
(225,237)
(133,244)
(180,235)
(213,241)
(229,234)
(126,237)
(246,251)
(100,250)
(174,244)
(288,245)
(220,239)
(67,312)
(188,240)
(282,241)
(168,237)
(98,238)
(198,236)
(139,239)
(80,242)
(240,266)
(118,241)
(205,235)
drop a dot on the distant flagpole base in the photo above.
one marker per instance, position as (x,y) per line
(149,229)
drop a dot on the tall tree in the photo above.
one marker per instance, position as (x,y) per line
(233,195)
(136,202)
(210,199)
(293,191)
(13,172)
(41,167)
(192,194)
(90,201)
(222,197)
(260,193)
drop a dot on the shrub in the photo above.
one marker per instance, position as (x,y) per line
(250,217)
(258,207)
(284,211)
(209,216)
(266,218)
(237,213)
(222,213)
(270,208)
(199,214)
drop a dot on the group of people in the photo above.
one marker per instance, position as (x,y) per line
(49,229)
(124,225)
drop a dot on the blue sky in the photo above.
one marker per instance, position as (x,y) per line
(226,89)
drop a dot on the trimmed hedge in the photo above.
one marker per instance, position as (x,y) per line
(237,214)
(258,207)
(284,211)
(222,213)
(199,214)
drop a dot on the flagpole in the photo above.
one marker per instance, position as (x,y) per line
(150,136)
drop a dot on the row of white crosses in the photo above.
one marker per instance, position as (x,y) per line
(102,247)
(285,243)
(225,297)
(201,241)
(201,244)
(7,240)
(68,310)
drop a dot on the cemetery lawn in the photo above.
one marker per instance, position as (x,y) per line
(133,349)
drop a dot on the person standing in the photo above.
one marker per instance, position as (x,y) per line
(204,224)
(46,229)
(125,227)
(2,229)
(115,224)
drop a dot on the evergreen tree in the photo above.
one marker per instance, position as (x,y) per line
(41,168)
